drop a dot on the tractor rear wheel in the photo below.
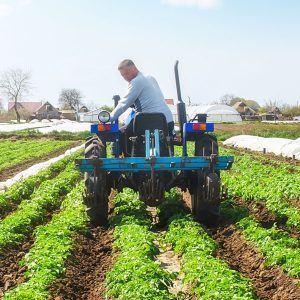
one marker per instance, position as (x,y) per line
(96,198)
(206,185)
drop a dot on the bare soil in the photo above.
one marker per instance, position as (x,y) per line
(267,218)
(270,282)
(11,274)
(86,268)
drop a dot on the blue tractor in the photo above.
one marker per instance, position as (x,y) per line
(145,162)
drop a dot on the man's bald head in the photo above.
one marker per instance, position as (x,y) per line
(128,69)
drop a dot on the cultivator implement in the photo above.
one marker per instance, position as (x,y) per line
(145,162)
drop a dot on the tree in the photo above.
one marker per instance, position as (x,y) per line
(236,99)
(107,108)
(70,99)
(269,105)
(226,99)
(15,83)
(253,104)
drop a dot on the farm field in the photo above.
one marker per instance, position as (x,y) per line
(17,155)
(49,251)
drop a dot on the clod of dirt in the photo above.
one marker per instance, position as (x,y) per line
(11,274)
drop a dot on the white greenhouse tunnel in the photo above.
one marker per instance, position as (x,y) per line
(215,113)
(277,146)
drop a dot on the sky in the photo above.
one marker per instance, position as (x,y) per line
(248,48)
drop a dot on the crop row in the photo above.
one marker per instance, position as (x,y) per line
(13,153)
(274,244)
(24,188)
(209,277)
(53,244)
(135,275)
(254,181)
(31,212)
(262,158)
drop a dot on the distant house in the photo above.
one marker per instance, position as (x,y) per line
(69,114)
(276,111)
(34,110)
(25,109)
(243,109)
(47,111)
(269,117)
(83,109)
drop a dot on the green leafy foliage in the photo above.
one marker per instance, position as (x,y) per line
(53,244)
(31,212)
(277,247)
(254,181)
(22,190)
(210,277)
(13,153)
(135,274)
(172,205)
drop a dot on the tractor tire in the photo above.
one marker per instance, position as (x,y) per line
(206,186)
(96,198)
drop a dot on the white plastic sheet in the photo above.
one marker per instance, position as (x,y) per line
(278,146)
(35,169)
(46,126)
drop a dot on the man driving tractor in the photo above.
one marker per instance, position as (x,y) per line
(143,93)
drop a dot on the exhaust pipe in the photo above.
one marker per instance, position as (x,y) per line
(181,111)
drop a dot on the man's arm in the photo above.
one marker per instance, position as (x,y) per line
(133,93)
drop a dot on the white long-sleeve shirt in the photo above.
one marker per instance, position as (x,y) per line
(144,92)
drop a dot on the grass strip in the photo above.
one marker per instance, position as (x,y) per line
(53,244)
(22,190)
(13,153)
(254,181)
(31,212)
(135,275)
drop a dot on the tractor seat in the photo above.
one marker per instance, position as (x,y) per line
(150,121)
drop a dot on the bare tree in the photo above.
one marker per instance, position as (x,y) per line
(70,99)
(226,99)
(15,83)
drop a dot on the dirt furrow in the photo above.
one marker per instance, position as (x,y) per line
(11,273)
(86,268)
(265,217)
(271,283)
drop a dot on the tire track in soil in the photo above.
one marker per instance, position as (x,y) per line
(11,274)
(84,277)
(271,283)
(14,170)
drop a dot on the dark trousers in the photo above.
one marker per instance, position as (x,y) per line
(129,129)
(129,132)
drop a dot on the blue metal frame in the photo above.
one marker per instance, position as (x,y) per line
(138,164)
(152,160)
